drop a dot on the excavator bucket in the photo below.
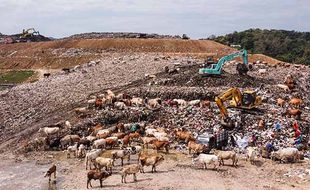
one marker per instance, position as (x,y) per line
(242,69)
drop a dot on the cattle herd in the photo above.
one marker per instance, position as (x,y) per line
(102,146)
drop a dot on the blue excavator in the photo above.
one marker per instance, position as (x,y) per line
(216,69)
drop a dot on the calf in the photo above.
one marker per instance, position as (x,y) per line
(50,171)
(46,75)
(104,133)
(131,169)
(225,155)
(197,148)
(120,154)
(280,102)
(251,154)
(104,162)
(205,159)
(91,157)
(81,152)
(153,160)
(92,174)
(73,149)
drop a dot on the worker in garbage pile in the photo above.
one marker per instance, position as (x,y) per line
(278,126)
(295,125)
(253,140)
(222,138)
(270,147)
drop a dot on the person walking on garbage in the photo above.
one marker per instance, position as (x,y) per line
(297,133)
(278,126)
(222,138)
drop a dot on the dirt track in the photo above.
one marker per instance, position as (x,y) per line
(176,172)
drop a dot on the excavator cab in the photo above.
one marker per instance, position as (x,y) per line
(248,98)
(208,62)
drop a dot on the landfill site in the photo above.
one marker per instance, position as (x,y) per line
(149,111)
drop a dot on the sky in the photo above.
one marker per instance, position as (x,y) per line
(197,18)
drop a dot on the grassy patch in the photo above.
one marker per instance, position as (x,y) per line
(15,76)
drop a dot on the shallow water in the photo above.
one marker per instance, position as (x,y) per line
(24,176)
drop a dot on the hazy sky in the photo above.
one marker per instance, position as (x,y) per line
(197,18)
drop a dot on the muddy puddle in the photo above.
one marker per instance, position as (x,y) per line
(25,176)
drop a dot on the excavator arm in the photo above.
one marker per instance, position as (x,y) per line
(233,94)
(217,68)
(29,32)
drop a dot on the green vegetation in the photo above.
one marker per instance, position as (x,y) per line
(288,46)
(15,76)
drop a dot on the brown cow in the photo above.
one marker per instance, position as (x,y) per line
(295,102)
(280,102)
(93,130)
(197,148)
(118,135)
(151,160)
(205,104)
(99,102)
(161,144)
(134,135)
(95,175)
(261,124)
(125,141)
(294,112)
(183,135)
(120,127)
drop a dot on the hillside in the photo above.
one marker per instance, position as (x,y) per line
(67,53)
(288,46)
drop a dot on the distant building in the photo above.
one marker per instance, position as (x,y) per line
(235,46)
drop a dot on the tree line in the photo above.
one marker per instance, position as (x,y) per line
(287,46)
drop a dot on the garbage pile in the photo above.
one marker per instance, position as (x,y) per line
(99,35)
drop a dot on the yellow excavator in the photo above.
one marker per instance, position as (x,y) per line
(28,33)
(246,100)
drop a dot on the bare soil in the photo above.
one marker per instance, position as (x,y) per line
(176,172)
